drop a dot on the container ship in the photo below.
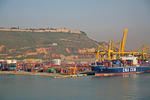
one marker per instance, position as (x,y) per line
(119,69)
(113,60)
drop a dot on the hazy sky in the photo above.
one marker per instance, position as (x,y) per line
(102,20)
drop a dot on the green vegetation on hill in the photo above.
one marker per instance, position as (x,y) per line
(29,41)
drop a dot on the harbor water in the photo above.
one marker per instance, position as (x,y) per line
(128,87)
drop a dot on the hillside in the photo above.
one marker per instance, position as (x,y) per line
(15,44)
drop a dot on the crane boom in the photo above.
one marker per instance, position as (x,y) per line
(123,42)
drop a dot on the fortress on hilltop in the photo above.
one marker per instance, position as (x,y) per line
(41,30)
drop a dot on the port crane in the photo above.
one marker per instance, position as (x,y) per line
(112,50)
(144,49)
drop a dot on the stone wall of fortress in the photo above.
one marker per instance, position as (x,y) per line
(46,30)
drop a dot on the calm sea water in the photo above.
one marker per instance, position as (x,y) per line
(129,87)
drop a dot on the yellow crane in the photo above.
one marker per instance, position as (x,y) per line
(120,52)
(112,50)
(123,42)
(144,50)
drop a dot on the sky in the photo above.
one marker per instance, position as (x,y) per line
(102,20)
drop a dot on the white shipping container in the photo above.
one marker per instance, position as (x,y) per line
(56,61)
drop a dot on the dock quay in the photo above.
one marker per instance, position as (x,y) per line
(54,75)
(40,69)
